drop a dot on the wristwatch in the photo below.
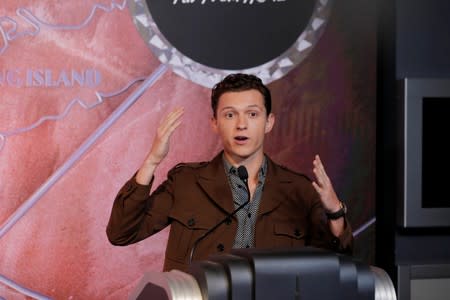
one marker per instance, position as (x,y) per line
(340,213)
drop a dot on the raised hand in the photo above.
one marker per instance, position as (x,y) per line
(324,187)
(160,146)
(327,195)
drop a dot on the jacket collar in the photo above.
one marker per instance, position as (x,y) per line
(212,179)
(277,180)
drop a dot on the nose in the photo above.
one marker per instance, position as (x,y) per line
(241,122)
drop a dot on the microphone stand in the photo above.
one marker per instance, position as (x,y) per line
(243,175)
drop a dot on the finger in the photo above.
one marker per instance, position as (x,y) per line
(317,169)
(169,122)
(167,125)
(168,131)
(173,127)
(172,117)
(176,112)
(318,164)
(320,168)
(316,187)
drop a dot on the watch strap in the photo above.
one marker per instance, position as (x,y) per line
(338,214)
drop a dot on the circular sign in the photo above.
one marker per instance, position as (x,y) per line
(204,40)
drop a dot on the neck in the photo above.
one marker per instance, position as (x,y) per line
(252,163)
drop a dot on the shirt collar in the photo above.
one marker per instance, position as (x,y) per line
(230,170)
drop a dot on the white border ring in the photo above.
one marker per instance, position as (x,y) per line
(207,76)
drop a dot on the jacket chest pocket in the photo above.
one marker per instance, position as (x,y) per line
(186,228)
(288,235)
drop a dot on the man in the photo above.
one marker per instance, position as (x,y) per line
(286,208)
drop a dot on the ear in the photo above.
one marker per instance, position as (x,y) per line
(213,122)
(269,123)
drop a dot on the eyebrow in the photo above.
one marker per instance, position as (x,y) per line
(250,106)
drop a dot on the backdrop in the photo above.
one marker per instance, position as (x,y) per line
(65,69)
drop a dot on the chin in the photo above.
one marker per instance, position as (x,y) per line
(241,152)
(241,155)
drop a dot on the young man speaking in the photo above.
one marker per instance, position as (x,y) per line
(285,209)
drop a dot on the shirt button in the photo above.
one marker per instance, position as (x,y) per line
(220,247)
(247,246)
(191,222)
(249,215)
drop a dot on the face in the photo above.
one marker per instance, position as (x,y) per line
(241,122)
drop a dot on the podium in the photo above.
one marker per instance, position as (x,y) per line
(305,273)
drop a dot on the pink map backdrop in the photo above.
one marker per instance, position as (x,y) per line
(59,247)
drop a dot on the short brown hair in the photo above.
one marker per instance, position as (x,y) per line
(237,83)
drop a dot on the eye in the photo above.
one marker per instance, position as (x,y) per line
(253,114)
(229,115)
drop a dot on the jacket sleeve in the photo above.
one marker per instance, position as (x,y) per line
(323,237)
(136,215)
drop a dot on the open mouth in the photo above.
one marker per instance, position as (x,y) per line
(241,138)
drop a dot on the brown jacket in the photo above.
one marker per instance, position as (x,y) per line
(197,196)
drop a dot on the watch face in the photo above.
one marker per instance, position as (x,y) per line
(204,40)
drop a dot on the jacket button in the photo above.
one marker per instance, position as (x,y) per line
(191,222)
(228,221)
(297,232)
(220,247)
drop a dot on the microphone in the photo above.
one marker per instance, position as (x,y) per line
(243,175)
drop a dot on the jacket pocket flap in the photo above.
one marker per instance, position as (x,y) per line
(288,229)
(192,220)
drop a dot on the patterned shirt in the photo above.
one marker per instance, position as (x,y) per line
(246,217)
